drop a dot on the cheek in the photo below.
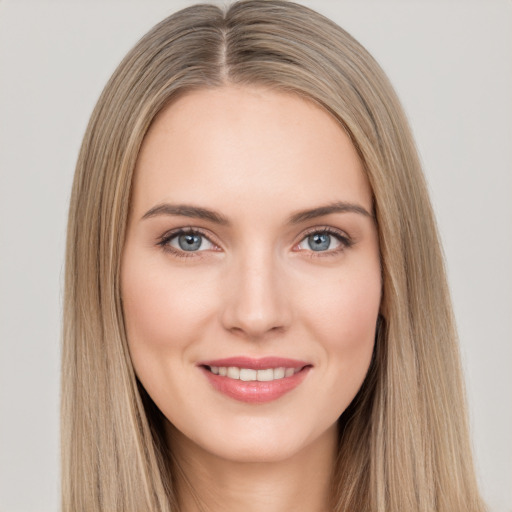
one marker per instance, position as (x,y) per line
(164,310)
(166,313)
(342,316)
(345,308)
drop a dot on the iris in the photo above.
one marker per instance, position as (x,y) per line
(319,241)
(190,242)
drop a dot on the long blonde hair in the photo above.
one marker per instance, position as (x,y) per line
(404,442)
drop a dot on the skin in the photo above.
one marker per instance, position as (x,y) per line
(255,288)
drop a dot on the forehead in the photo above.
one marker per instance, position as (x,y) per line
(251,146)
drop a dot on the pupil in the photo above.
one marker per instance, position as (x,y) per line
(319,241)
(189,242)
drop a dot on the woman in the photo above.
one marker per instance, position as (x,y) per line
(256,309)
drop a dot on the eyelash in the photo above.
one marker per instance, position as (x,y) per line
(167,237)
(345,241)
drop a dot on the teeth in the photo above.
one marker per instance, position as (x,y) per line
(279,373)
(233,372)
(265,375)
(248,374)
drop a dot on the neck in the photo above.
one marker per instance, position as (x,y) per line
(208,483)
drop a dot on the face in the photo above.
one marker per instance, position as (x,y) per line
(250,274)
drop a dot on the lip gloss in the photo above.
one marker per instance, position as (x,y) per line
(255,391)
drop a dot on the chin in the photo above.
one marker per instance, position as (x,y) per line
(257,441)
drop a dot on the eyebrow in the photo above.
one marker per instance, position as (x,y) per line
(337,207)
(185,210)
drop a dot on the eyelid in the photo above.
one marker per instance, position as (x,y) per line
(163,240)
(345,240)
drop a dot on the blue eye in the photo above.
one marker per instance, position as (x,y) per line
(324,241)
(192,241)
(319,241)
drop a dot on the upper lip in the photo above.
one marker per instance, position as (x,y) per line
(256,363)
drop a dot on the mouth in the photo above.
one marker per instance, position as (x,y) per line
(255,380)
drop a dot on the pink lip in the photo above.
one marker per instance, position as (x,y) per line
(256,364)
(255,391)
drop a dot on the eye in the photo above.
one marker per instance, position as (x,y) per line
(186,241)
(324,240)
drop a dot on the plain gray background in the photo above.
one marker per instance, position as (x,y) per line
(451,63)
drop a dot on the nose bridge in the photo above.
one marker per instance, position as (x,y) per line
(256,297)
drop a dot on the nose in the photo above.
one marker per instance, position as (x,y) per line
(256,302)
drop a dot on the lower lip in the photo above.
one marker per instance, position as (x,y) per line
(255,391)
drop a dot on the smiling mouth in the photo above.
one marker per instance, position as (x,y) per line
(255,380)
(253,375)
